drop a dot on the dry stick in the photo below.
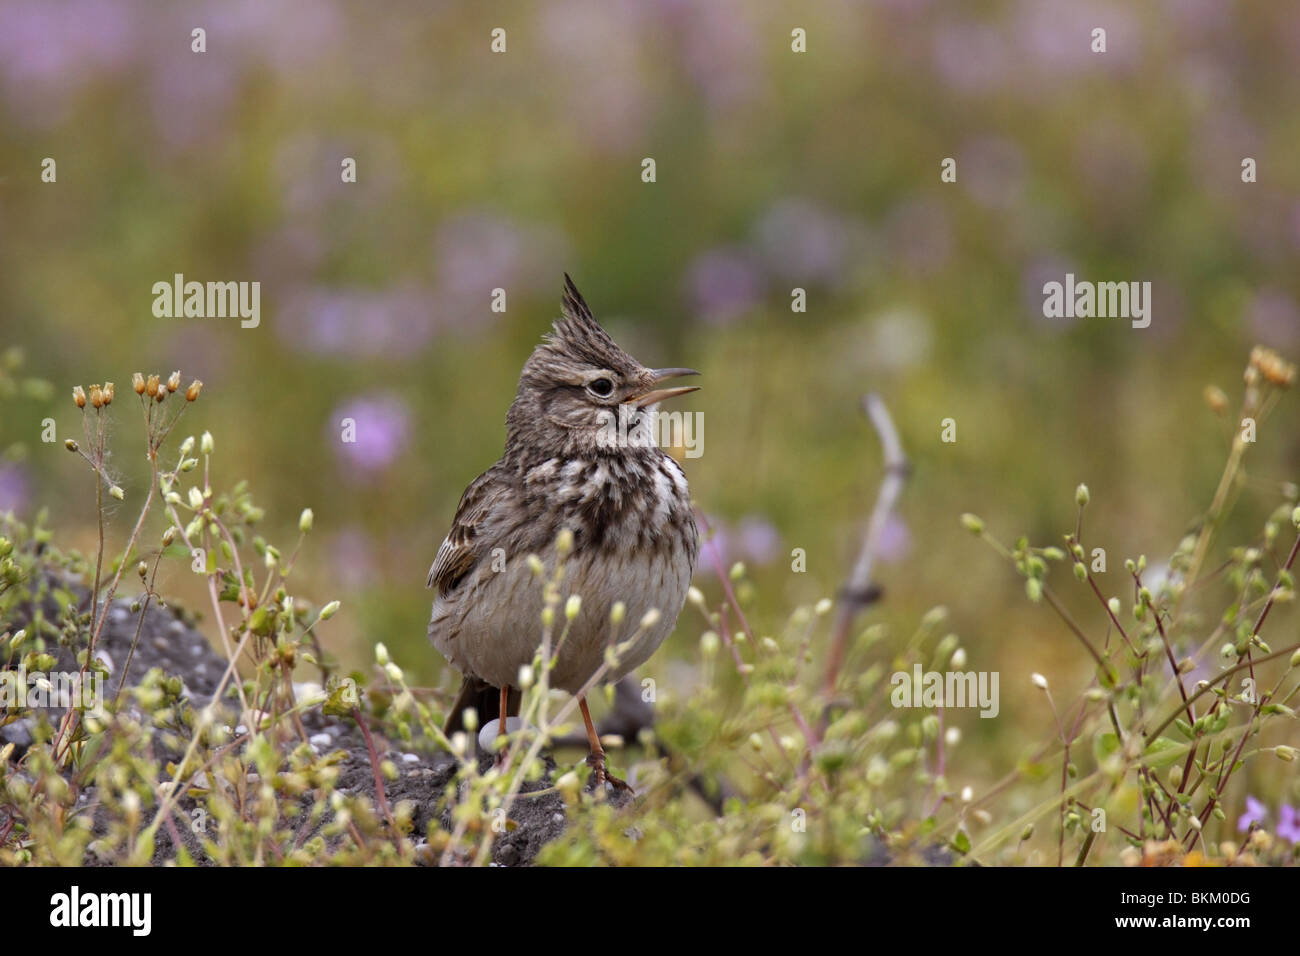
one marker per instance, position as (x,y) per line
(857,591)
(380,797)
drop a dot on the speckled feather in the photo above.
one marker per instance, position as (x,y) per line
(628,508)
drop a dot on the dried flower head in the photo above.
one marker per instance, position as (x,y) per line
(108,393)
(174,381)
(1216,399)
(137,383)
(96,396)
(151,386)
(79,396)
(1272,367)
(192,392)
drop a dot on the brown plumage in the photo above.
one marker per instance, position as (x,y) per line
(625,501)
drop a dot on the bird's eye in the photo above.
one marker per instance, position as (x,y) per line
(602,387)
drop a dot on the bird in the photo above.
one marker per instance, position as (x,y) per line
(580,456)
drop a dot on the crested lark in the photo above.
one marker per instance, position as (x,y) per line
(625,502)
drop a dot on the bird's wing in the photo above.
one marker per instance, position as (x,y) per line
(468,540)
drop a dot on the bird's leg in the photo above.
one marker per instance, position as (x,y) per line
(596,759)
(502,715)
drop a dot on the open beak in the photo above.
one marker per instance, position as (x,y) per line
(659,394)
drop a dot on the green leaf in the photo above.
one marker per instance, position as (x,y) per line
(961,842)
(1157,749)
(1104,744)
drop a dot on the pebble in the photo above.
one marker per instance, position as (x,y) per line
(321,740)
(410,758)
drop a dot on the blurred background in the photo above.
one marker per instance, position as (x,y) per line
(775,170)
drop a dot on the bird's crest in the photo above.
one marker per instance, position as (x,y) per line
(577,333)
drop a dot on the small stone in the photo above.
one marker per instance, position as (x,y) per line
(508,855)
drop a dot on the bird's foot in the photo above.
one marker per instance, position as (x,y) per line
(597,764)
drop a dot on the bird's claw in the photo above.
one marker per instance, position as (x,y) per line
(597,764)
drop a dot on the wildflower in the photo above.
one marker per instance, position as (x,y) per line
(174,381)
(1255,813)
(192,392)
(1288,826)
(1215,398)
(1274,369)
(137,383)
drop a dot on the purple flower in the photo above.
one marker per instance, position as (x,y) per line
(395,323)
(722,285)
(1255,813)
(15,489)
(370,432)
(801,240)
(1288,827)
(753,539)
(50,51)
(757,539)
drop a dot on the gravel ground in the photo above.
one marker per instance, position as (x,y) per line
(168,642)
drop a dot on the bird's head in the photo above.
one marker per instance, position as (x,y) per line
(578,385)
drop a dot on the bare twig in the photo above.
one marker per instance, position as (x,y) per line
(858,590)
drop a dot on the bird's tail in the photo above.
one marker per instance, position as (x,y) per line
(484,698)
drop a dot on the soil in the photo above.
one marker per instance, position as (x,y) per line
(169,642)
